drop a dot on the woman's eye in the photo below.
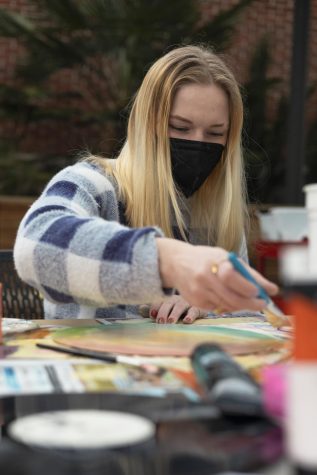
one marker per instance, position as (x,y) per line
(179,129)
(216,134)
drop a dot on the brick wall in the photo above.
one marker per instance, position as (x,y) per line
(47,136)
(273,18)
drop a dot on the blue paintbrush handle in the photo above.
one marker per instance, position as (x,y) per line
(239,267)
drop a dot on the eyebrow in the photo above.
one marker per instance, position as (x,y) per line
(181,118)
(178,117)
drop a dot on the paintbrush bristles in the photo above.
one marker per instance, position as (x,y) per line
(275,320)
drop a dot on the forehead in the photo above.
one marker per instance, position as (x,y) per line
(194,100)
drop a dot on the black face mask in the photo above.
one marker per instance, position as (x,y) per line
(192,162)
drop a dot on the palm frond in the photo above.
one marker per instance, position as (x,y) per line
(105,47)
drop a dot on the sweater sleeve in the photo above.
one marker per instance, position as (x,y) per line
(71,247)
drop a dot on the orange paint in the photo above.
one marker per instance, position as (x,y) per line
(305,323)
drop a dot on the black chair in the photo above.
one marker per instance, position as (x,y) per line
(19,300)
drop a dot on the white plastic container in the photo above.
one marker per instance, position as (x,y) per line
(267,225)
(291,223)
(311,206)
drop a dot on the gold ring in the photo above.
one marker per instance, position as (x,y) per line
(217,311)
(214,269)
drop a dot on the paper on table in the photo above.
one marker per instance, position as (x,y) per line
(20,377)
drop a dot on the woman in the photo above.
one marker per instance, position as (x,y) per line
(151,226)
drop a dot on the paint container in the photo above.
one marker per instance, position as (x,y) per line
(301,376)
(226,384)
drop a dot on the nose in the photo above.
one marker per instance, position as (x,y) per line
(197,135)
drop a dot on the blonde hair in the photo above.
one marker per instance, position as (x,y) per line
(143,167)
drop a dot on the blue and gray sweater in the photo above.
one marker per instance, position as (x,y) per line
(72,246)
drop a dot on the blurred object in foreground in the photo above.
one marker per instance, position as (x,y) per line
(285,224)
(278,227)
(299,276)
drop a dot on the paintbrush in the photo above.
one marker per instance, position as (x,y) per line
(108,357)
(273,314)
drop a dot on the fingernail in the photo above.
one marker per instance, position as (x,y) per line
(161,320)
(187,320)
(153,313)
(171,320)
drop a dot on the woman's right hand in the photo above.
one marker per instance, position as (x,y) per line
(188,268)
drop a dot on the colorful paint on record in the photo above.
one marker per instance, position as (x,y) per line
(166,340)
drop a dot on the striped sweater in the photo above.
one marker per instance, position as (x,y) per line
(73,247)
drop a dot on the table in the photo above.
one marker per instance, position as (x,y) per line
(211,440)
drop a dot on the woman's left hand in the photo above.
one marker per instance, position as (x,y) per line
(173,308)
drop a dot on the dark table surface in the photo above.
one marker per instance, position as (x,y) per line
(198,443)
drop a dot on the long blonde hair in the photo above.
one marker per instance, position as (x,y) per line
(143,167)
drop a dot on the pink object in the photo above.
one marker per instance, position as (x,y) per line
(1,312)
(273,380)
